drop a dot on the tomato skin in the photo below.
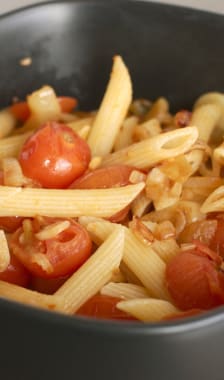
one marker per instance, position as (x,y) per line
(195,280)
(102,178)
(47,285)
(16,273)
(66,252)
(67,103)
(22,112)
(54,156)
(103,307)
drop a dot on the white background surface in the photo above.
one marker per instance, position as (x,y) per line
(212,5)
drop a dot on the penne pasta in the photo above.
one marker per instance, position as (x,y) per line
(148,310)
(152,151)
(94,273)
(4,252)
(124,291)
(112,111)
(125,135)
(7,123)
(214,202)
(205,118)
(166,249)
(141,259)
(30,297)
(10,146)
(29,202)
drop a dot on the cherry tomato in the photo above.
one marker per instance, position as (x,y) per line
(67,103)
(9,223)
(195,278)
(103,307)
(22,112)
(16,273)
(112,176)
(65,253)
(47,285)
(102,178)
(54,156)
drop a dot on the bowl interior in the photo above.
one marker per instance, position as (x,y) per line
(170,51)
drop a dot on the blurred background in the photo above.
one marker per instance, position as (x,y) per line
(211,5)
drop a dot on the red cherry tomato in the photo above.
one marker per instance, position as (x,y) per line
(16,273)
(9,223)
(195,278)
(54,156)
(103,307)
(67,103)
(112,176)
(47,285)
(102,178)
(22,112)
(66,252)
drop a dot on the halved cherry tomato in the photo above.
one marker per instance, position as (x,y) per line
(9,223)
(103,307)
(65,253)
(22,112)
(54,156)
(195,278)
(112,176)
(16,273)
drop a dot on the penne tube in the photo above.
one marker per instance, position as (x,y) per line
(112,111)
(206,118)
(124,291)
(76,125)
(93,274)
(10,146)
(214,202)
(148,310)
(140,258)
(29,202)
(152,151)
(4,252)
(7,123)
(125,135)
(166,249)
(44,106)
(30,297)
(12,172)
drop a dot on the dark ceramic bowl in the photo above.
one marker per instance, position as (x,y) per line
(170,51)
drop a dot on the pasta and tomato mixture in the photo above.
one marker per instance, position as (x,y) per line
(113,214)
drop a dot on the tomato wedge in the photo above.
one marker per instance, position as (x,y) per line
(16,273)
(53,257)
(102,178)
(195,278)
(54,156)
(103,307)
(22,112)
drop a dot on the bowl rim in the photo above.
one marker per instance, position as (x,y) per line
(180,326)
